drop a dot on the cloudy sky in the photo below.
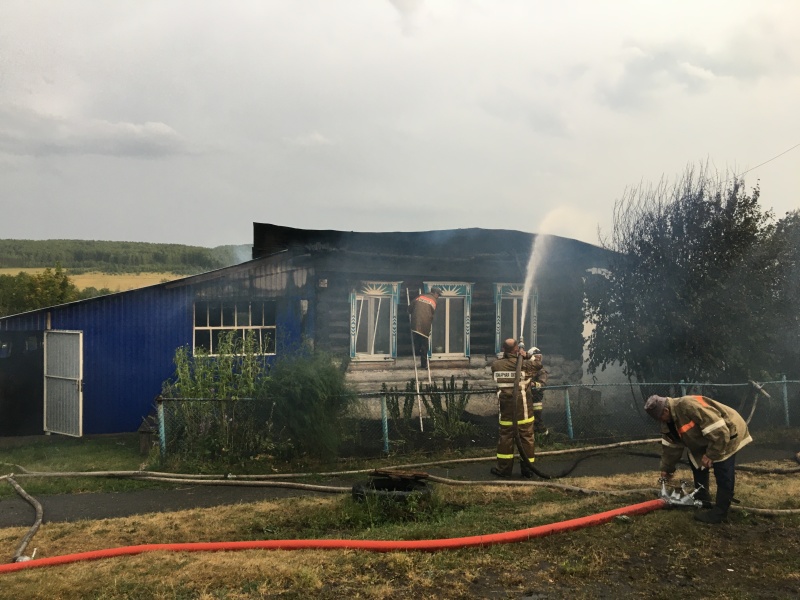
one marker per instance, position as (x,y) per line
(186,121)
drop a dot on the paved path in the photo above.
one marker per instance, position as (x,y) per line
(16,512)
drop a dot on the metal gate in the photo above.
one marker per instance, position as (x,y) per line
(63,382)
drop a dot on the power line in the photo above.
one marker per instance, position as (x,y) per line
(770,160)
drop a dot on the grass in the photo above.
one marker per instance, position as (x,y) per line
(116,282)
(66,454)
(658,555)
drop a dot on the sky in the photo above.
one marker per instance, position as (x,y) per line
(185,122)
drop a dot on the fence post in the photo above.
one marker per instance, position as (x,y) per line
(384,424)
(569,413)
(785,399)
(162,432)
(683,388)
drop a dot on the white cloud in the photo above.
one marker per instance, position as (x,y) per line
(25,132)
(307,140)
(365,115)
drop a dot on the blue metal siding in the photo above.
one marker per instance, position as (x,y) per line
(129,344)
(130,338)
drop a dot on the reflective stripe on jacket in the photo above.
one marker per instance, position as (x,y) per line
(504,372)
(704,426)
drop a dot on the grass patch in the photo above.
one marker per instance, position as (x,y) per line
(67,454)
(657,555)
(635,558)
(116,282)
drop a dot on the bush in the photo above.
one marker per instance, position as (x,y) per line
(311,399)
(217,408)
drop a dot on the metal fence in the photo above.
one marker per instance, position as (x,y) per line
(398,422)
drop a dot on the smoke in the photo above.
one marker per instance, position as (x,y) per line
(242,253)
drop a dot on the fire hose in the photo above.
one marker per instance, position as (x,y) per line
(479,541)
(675,498)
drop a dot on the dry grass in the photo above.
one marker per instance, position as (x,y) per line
(657,555)
(120,282)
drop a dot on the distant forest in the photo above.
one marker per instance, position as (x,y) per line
(81,256)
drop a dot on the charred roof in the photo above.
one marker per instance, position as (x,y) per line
(447,243)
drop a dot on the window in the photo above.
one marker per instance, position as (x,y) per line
(212,319)
(509,298)
(373,320)
(451,321)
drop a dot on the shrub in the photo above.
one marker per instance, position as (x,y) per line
(311,398)
(217,408)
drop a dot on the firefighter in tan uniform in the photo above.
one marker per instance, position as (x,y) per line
(504,372)
(713,433)
(538,381)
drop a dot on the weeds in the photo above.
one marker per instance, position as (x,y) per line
(447,407)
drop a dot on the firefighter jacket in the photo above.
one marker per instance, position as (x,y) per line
(504,372)
(421,310)
(704,426)
(539,377)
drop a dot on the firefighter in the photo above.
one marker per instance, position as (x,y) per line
(538,381)
(713,434)
(519,409)
(422,310)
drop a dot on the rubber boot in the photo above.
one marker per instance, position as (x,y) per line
(714,516)
(719,513)
(498,473)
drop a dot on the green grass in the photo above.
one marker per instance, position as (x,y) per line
(67,454)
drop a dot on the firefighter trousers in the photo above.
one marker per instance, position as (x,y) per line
(505,441)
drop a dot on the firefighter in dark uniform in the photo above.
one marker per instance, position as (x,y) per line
(538,381)
(504,372)
(422,309)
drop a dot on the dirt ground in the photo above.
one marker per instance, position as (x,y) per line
(16,512)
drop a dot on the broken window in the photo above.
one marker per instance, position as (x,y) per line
(247,317)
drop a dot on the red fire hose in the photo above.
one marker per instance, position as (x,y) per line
(520,535)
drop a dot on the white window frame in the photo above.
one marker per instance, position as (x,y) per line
(367,293)
(515,291)
(451,290)
(262,330)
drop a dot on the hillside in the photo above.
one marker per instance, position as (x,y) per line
(81,256)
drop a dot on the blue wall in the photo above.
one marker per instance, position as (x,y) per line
(129,341)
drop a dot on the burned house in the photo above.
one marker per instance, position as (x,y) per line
(103,360)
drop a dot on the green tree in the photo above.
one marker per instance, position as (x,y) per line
(12,293)
(691,291)
(25,292)
(51,287)
(787,343)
